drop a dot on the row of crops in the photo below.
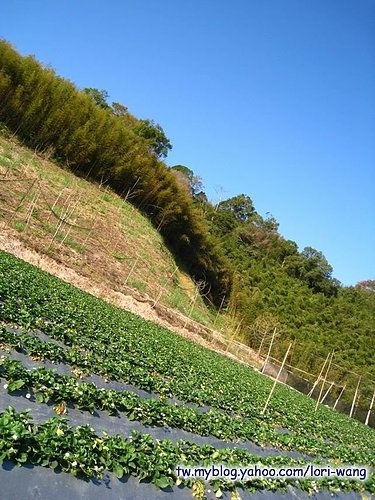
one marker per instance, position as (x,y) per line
(192,389)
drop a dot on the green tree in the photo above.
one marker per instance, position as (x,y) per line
(192,183)
(119,109)
(312,267)
(155,138)
(241,206)
(98,96)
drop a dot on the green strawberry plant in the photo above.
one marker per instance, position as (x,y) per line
(83,453)
(102,339)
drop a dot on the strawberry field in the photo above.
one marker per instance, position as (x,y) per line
(91,390)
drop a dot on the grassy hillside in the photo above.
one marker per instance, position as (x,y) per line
(44,319)
(288,295)
(88,228)
(108,144)
(274,293)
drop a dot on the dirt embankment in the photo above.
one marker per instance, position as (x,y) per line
(131,301)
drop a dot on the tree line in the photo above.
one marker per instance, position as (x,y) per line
(108,144)
(277,286)
(265,280)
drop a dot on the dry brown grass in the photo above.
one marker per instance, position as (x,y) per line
(87,235)
(89,229)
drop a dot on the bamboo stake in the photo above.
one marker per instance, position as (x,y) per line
(339,396)
(370,409)
(22,200)
(128,194)
(163,287)
(237,329)
(68,217)
(269,350)
(262,342)
(191,308)
(59,225)
(226,324)
(277,378)
(62,219)
(89,234)
(355,397)
(55,203)
(218,312)
(326,394)
(230,340)
(160,224)
(8,169)
(319,376)
(32,207)
(324,379)
(132,269)
(156,301)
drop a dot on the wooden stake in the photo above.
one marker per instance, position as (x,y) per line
(230,340)
(220,307)
(132,269)
(326,394)
(192,307)
(370,409)
(277,378)
(319,376)
(324,379)
(355,397)
(269,350)
(339,396)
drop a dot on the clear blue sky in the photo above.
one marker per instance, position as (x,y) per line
(271,98)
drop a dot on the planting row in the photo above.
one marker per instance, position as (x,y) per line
(48,386)
(81,452)
(118,345)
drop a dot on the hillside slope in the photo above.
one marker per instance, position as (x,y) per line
(64,351)
(88,230)
(273,293)
(89,236)
(109,145)
(282,295)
